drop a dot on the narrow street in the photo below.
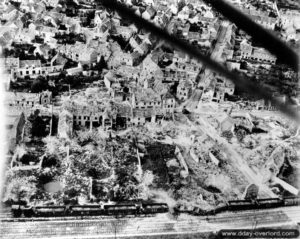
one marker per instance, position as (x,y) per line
(205,75)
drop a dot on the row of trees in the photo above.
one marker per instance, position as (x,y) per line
(60,83)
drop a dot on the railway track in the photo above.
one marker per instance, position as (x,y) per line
(8,217)
(266,218)
(5,213)
(159,224)
(292,211)
(93,227)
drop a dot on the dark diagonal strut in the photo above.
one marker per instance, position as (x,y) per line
(270,42)
(239,81)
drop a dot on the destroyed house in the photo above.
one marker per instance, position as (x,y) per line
(35,71)
(168,103)
(146,98)
(10,62)
(184,89)
(160,151)
(123,109)
(191,69)
(84,115)
(256,54)
(101,115)
(170,75)
(149,13)
(142,116)
(28,100)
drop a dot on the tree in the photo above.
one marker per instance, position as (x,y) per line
(50,160)
(240,134)
(94,164)
(244,65)
(126,183)
(181,5)
(41,58)
(20,189)
(46,175)
(101,65)
(75,185)
(227,134)
(85,67)
(38,125)
(85,137)
(39,84)
(70,64)
(27,158)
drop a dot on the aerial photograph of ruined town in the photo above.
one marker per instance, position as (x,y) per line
(128,119)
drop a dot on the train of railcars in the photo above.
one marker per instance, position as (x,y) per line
(240,205)
(19,210)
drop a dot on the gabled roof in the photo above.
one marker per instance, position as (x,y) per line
(146,95)
(11,96)
(151,11)
(30,63)
(167,95)
(186,83)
